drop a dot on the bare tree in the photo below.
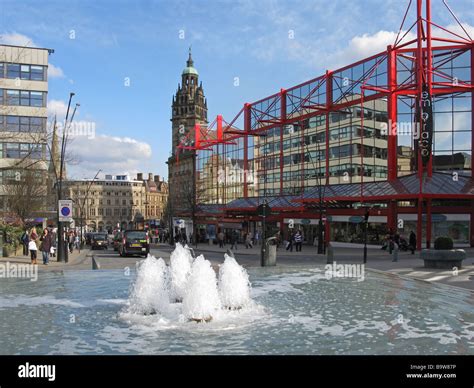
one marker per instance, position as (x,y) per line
(26,192)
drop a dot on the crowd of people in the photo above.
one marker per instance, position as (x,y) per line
(394,242)
(46,243)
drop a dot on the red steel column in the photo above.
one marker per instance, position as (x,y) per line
(392,216)
(428,223)
(283,114)
(472,141)
(472,107)
(247,128)
(429,77)
(419,85)
(328,109)
(392,114)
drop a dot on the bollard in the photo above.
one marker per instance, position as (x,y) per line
(330,253)
(269,253)
(95,263)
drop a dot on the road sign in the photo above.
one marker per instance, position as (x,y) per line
(263,210)
(65,210)
(356,219)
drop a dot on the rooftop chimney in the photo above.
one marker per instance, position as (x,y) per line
(139,176)
(157,178)
(150,176)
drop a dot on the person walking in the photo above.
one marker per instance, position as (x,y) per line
(248,241)
(33,248)
(25,239)
(46,243)
(412,242)
(257,237)
(220,239)
(298,240)
(289,245)
(234,239)
(34,234)
(70,240)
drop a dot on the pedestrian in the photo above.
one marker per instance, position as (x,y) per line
(298,240)
(412,242)
(234,239)
(248,241)
(70,240)
(46,243)
(395,251)
(33,234)
(291,239)
(278,239)
(33,248)
(25,239)
(220,239)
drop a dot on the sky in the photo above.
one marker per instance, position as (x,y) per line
(123,60)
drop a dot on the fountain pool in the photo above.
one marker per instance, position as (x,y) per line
(291,311)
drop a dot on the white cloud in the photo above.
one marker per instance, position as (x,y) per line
(57,108)
(111,154)
(16,39)
(55,71)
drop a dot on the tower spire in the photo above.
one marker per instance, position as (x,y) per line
(190,62)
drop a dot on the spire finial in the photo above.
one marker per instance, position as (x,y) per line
(190,62)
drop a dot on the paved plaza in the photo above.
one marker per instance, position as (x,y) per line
(408,265)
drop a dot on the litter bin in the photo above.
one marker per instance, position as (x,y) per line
(269,252)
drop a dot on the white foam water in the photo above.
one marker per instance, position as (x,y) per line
(234,284)
(201,298)
(150,293)
(188,290)
(180,270)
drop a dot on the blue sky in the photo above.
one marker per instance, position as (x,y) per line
(267,44)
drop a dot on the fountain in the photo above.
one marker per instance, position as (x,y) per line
(180,269)
(201,299)
(188,289)
(234,285)
(150,292)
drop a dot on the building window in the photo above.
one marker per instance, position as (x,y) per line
(26,72)
(92,212)
(25,98)
(108,212)
(23,150)
(116,212)
(101,211)
(22,124)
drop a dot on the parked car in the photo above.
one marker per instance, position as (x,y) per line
(134,242)
(99,241)
(117,240)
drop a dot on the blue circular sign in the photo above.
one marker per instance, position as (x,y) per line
(65,211)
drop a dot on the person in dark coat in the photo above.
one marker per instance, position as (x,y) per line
(234,239)
(25,240)
(412,242)
(46,243)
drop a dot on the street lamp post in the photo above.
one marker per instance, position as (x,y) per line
(62,255)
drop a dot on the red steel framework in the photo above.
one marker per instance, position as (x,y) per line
(324,95)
